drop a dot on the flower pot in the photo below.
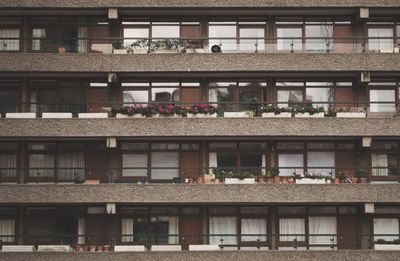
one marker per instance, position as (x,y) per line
(92,248)
(284,180)
(125,116)
(308,115)
(277,180)
(363,180)
(354,180)
(241,114)
(106,248)
(291,180)
(166,51)
(387,247)
(62,50)
(336,181)
(190,180)
(201,115)
(261,180)
(240,181)
(217,181)
(78,248)
(270,181)
(351,115)
(273,115)
(311,181)
(158,115)
(120,51)
(139,51)
(207,179)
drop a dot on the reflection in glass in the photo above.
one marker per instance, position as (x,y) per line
(380,39)
(249,99)
(319,97)
(289,99)
(8,101)
(132,98)
(289,39)
(255,44)
(223,31)
(42,101)
(222,97)
(324,38)
(387,97)
(135,36)
(165,94)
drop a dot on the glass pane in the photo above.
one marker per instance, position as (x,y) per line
(384,164)
(254,229)
(8,101)
(165,94)
(319,97)
(134,165)
(226,160)
(291,229)
(321,163)
(385,227)
(380,39)
(132,98)
(41,165)
(72,100)
(382,100)
(165,165)
(322,230)
(250,99)
(288,99)
(222,145)
(321,38)
(255,42)
(222,97)
(165,31)
(164,146)
(134,146)
(136,37)
(71,166)
(251,162)
(289,39)
(9,40)
(227,31)
(290,164)
(8,165)
(43,101)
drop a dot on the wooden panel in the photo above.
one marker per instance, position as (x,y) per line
(190,31)
(190,96)
(100,33)
(345,95)
(348,232)
(189,163)
(342,39)
(345,163)
(190,229)
(97,99)
(96,166)
(96,230)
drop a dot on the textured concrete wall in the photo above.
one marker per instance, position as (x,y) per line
(200,193)
(28,62)
(198,3)
(188,127)
(209,256)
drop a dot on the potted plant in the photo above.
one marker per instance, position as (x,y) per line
(275,112)
(383,245)
(190,46)
(313,178)
(119,48)
(346,113)
(78,248)
(309,112)
(140,46)
(137,111)
(362,175)
(218,175)
(207,178)
(202,111)
(239,177)
(62,49)
(168,111)
(165,46)
(274,174)
(106,248)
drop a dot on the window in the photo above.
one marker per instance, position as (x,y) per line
(255,39)
(384,164)
(380,39)
(386,229)
(137,37)
(134,165)
(71,166)
(135,97)
(253,229)
(216,31)
(41,165)
(165,230)
(134,229)
(319,37)
(8,100)
(289,39)
(322,230)
(165,165)
(8,166)
(382,100)
(289,99)
(9,40)
(7,230)
(321,163)
(290,163)
(319,96)
(291,229)
(223,231)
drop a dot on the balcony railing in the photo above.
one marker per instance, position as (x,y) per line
(220,241)
(203,45)
(207,109)
(207,175)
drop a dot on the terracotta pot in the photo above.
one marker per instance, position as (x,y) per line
(218,181)
(261,180)
(277,179)
(190,180)
(284,180)
(290,180)
(336,181)
(62,50)
(106,248)
(354,180)
(207,179)
(78,248)
(270,180)
(92,248)
(363,180)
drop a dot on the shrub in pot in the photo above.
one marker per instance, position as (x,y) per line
(362,175)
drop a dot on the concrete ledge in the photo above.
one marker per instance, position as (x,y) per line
(200,193)
(201,127)
(183,63)
(345,255)
(198,3)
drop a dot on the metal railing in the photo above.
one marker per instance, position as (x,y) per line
(207,175)
(203,45)
(218,109)
(251,241)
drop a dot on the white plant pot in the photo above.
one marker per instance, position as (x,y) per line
(93,115)
(158,115)
(273,115)
(124,116)
(190,50)
(387,247)
(312,181)
(120,51)
(241,114)
(56,115)
(351,115)
(240,181)
(166,51)
(308,115)
(20,115)
(201,115)
(139,51)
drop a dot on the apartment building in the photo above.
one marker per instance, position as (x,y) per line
(211,130)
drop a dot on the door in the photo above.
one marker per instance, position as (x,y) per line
(96,228)
(97,166)
(97,99)
(344,98)
(189,164)
(190,230)
(343,39)
(190,96)
(348,232)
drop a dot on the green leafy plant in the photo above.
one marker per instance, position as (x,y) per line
(202,108)
(167,44)
(361,173)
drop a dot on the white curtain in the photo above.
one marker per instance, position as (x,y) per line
(9,44)
(81,230)
(223,226)
(173,229)
(386,96)
(324,226)
(212,161)
(291,229)
(213,96)
(380,161)
(254,226)
(37,43)
(7,230)
(264,164)
(291,163)
(386,41)
(386,226)
(8,165)
(41,165)
(83,32)
(321,163)
(127,230)
(136,161)
(71,165)
(168,160)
